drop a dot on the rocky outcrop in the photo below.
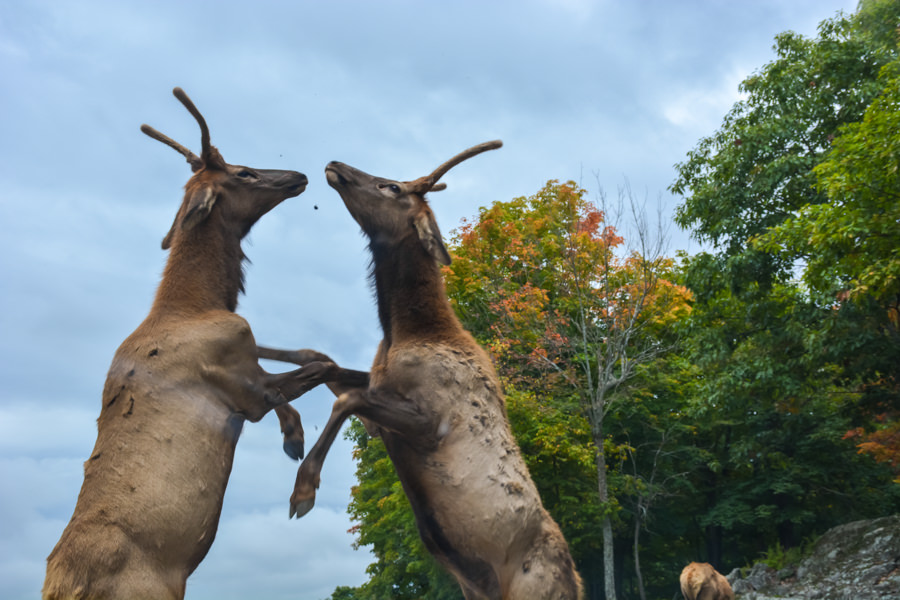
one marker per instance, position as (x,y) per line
(858,561)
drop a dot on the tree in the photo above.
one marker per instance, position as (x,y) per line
(560,302)
(799,179)
(657,458)
(851,244)
(772,194)
(749,436)
(756,171)
(770,417)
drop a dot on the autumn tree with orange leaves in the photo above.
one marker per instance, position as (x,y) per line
(564,304)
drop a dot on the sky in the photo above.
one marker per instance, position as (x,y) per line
(605,93)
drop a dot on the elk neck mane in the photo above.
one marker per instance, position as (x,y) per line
(205,268)
(409,290)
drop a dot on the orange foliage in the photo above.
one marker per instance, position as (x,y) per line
(883,444)
(523,268)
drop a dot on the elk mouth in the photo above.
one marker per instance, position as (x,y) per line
(297,186)
(334,176)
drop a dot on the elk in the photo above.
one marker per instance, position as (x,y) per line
(176,396)
(435,399)
(700,581)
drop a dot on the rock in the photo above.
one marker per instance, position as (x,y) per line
(741,587)
(761,576)
(785,573)
(858,561)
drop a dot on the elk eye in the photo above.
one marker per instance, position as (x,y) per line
(394,188)
(245,174)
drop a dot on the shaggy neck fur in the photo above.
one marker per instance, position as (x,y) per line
(204,270)
(410,292)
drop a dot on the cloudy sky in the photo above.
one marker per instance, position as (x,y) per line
(600,92)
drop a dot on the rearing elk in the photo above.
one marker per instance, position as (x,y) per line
(176,397)
(435,399)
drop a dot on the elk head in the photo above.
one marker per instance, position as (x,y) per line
(241,193)
(388,211)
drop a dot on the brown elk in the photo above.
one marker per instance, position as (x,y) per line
(176,396)
(700,581)
(435,399)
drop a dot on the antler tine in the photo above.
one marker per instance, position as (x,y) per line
(193,159)
(431,180)
(204,130)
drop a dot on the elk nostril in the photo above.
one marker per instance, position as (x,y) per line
(334,175)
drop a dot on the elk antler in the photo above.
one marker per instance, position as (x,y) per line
(209,155)
(193,159)
(204,130)
(430,182)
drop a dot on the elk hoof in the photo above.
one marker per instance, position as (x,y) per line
(293,447)
(301,507)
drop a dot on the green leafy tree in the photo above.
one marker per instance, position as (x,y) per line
(851,242)
(773,466)
(851,248)
(656,466)
(756,171)
(797,180)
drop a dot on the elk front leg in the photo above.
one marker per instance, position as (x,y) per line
(297,357)
(388,410)
(344,380)
(308,475)
(291,429)
(296,383)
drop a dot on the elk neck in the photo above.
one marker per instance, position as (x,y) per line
(409,289)
(204,270)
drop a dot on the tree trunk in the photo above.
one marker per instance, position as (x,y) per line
(714,544)
(637,552)
(609,579)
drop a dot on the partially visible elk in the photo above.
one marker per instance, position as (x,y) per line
(176,397)
(700,581)
(435,399)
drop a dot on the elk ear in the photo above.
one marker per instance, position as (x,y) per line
(430,236)
(198,206)
(167,241)
(195,209)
